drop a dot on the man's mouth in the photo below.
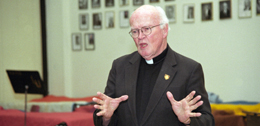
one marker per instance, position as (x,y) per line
(143,45)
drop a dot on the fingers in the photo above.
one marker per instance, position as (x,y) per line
(123,98)
(198,104)
(194,114)
(101,95)
(195,100)
(98,101)
(190,96)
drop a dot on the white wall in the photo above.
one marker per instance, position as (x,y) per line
(227,49)
(20,43)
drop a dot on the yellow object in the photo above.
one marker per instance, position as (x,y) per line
(236,109)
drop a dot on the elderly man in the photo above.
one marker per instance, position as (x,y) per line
(153,86)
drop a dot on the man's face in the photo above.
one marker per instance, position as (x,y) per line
(151,45)
(225,6)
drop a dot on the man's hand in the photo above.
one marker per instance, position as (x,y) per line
(107,105)
(183,109)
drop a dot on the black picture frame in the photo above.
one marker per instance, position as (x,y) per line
(109,3)
(207,11)
(257,7)
(225,10)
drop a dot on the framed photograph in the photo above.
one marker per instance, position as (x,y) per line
(83,21)
(171,13)
(97,20)
(244,8)
(206,11)
(154,1)
(110,19)
(89,41)
(95,3)
(110,3)
(76,41)
(83,4)
(138,2)
(124,2)
(188,12)
(124,18)
(225,9)
(257,7)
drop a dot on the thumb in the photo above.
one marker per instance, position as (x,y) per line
(123,98)
(170,97)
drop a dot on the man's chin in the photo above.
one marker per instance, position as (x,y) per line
(147,57)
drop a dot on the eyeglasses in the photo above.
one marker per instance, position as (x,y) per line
(146,30)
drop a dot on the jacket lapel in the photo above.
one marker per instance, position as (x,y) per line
(165,76)
(131,73)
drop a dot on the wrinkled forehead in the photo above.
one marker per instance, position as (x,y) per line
(144,16)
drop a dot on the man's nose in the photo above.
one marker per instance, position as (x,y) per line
(141,34)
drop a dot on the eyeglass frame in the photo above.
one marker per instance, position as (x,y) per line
(142,31)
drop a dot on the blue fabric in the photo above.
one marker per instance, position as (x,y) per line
(241,102)
(214,98)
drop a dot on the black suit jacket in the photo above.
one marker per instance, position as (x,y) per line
(185,74)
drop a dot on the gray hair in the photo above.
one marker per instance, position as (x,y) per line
(163,18)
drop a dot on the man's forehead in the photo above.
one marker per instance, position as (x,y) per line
(142,21)
(144,18)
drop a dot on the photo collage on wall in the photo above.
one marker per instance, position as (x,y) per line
(106,19)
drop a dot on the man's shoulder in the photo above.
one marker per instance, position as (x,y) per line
(127,57)
(182,59)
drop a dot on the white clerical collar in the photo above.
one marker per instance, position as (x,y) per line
(149,61)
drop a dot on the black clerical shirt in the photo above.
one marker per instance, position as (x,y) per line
(147,77)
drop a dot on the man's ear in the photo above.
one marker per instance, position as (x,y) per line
(165,31)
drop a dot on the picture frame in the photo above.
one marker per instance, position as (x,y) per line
(110,3)
(257,7)
(83,21)
(83,4)
(188,13)
(154,1)
(76,41)
(110,19)
(138,2)
(95,3)
(207,11)
(225,10)
(89,41)
(124,18)
(97,20)
(124,2)
(244,8)
(170,11)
